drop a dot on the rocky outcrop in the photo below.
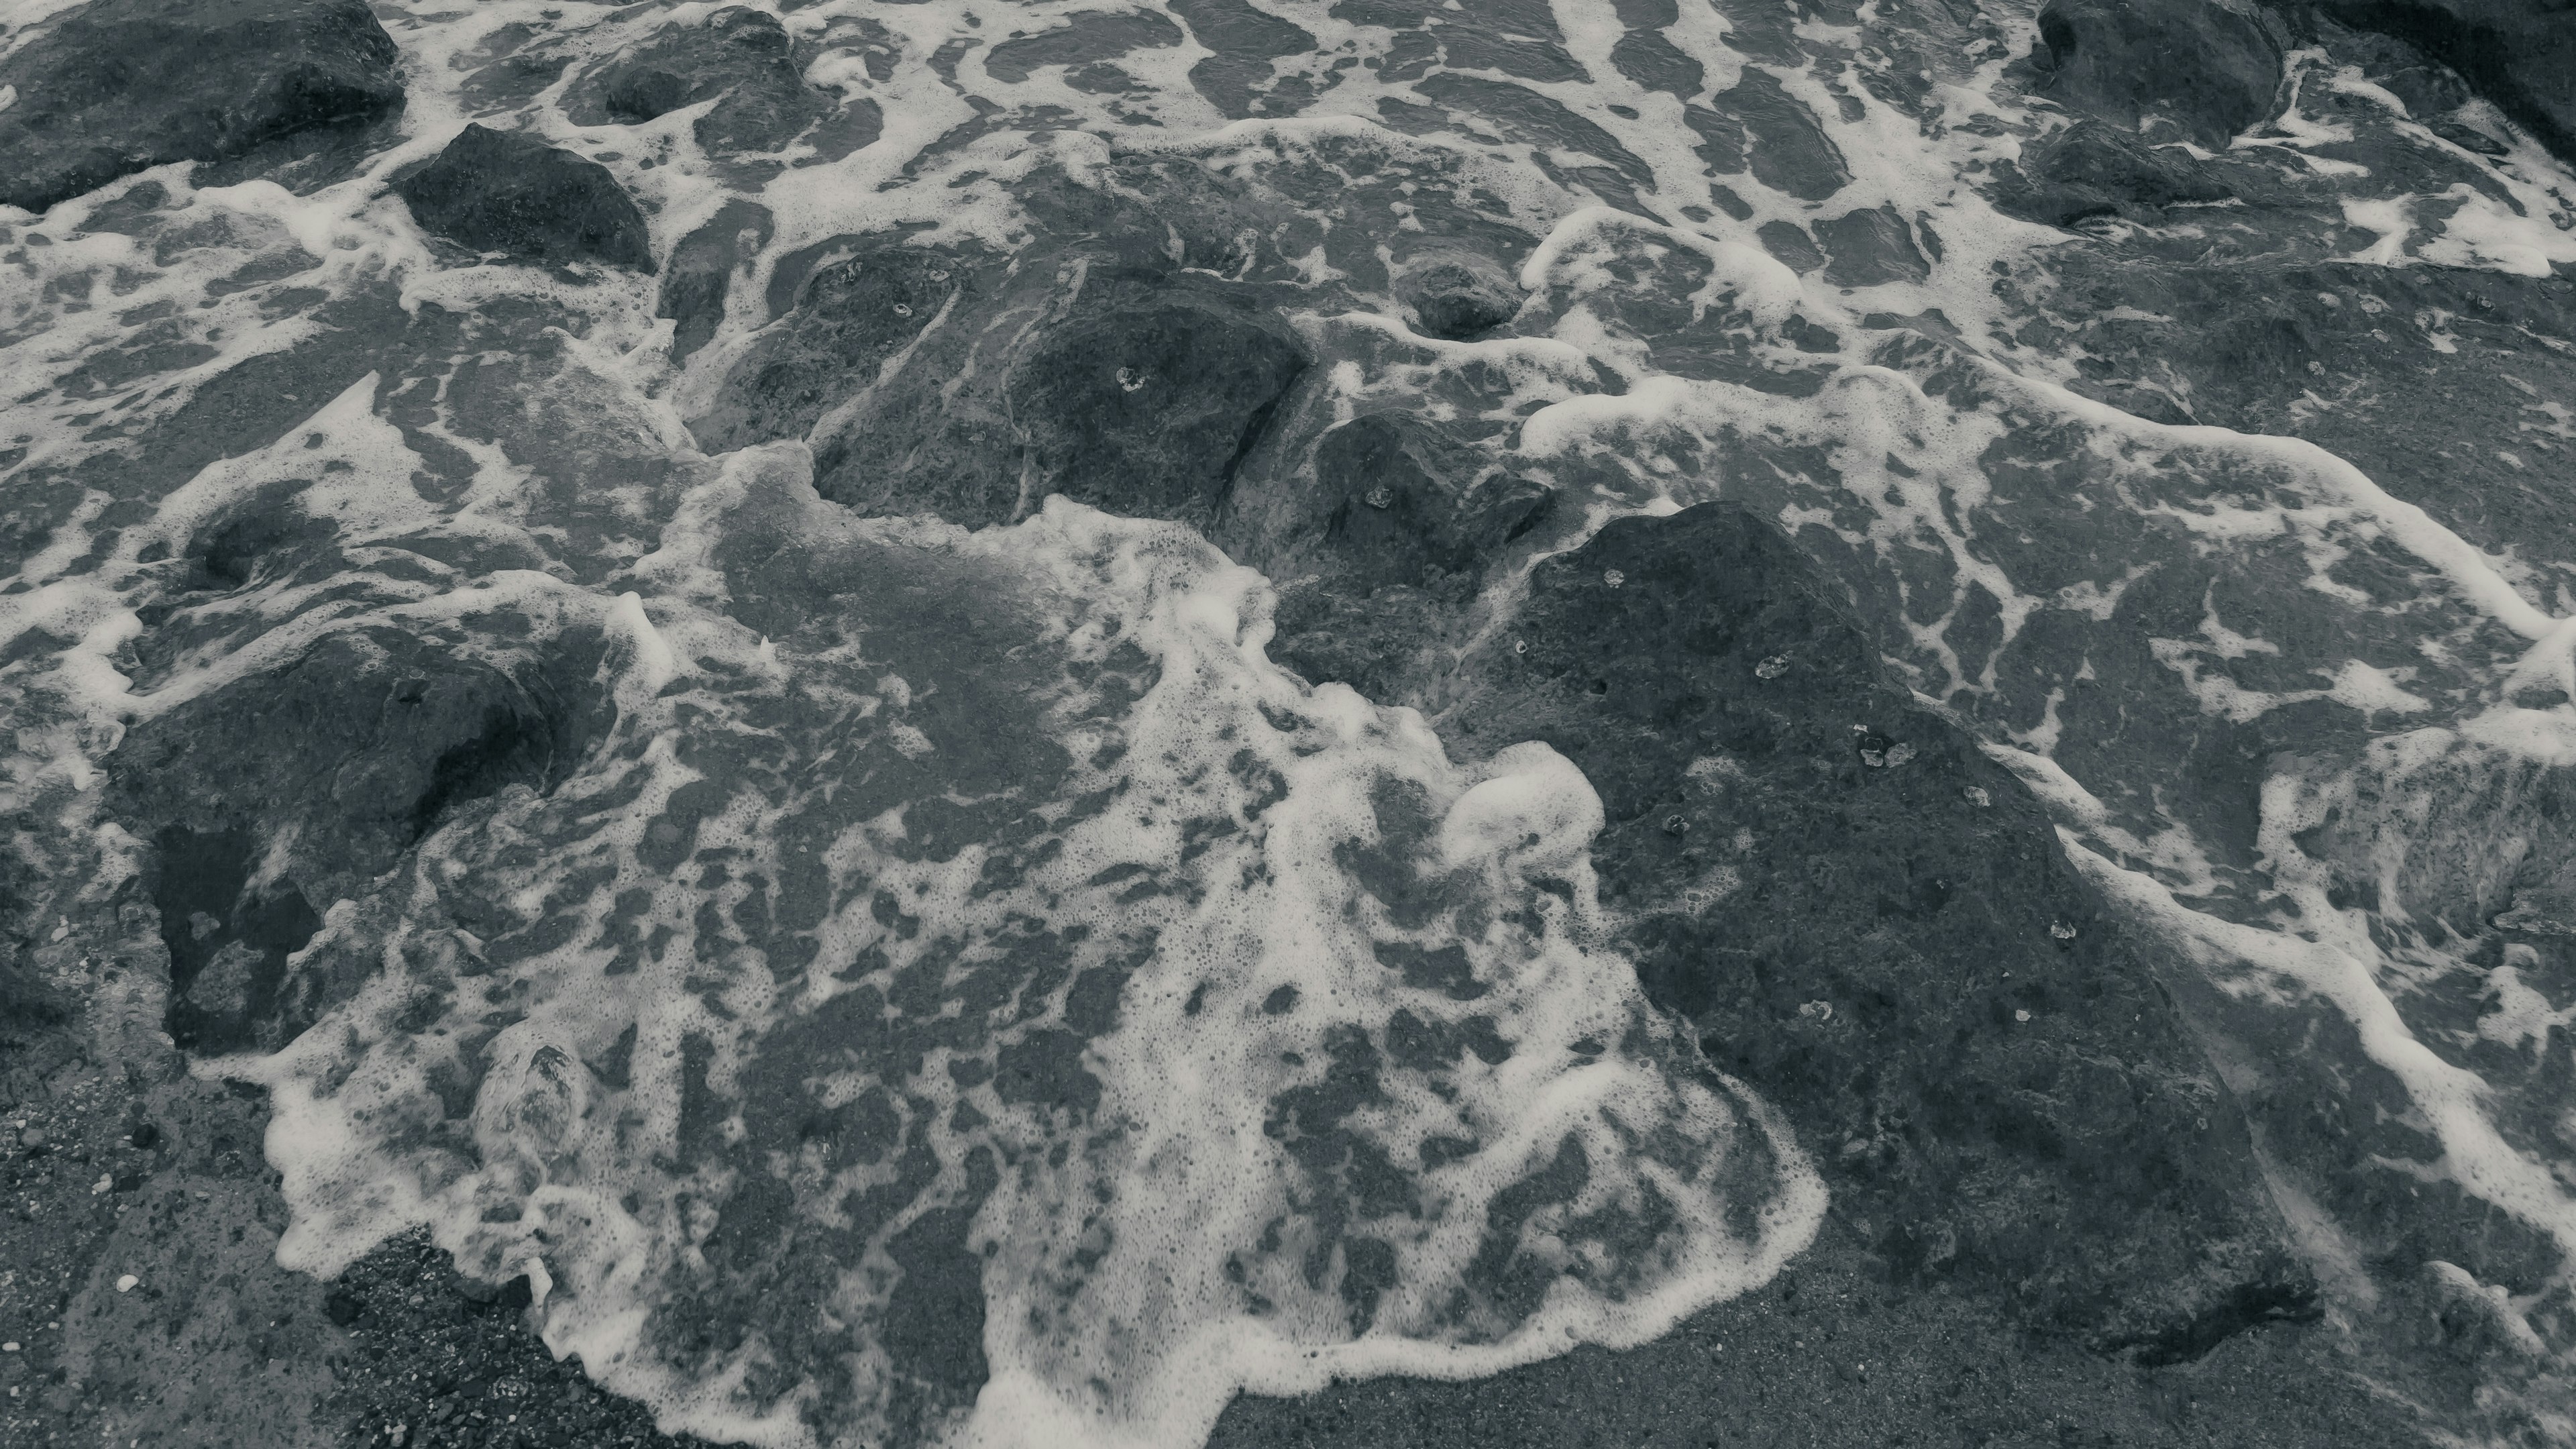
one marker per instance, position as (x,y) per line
(1871,920)
(2207,70)
(741,58)
(117,86)
(495,191)
(271,797)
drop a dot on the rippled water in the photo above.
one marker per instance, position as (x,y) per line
(946,981)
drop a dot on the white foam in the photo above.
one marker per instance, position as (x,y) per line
(1133,1329)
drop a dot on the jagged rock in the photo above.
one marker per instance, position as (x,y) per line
(2209,70)
(1457,296)
(271,797)
(1873,922)
(117,86)
(494,191)
(2091,169)
(741,55)
(2520,54)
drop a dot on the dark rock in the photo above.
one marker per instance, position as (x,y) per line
(2428,87)
(2091,169)
(1085,37)
(1385,550)
(117,86)
(1457,296)
(272,797)
(2209,70)
(700,274)
(1405,505)
(1788,149)
(1143,397)
(1789,242)
(495,191)
(1526,115)
(1237,77)
(1865,248)
(1147,397)
(849,305)
(741,55)
(2520,54)
(1873,923)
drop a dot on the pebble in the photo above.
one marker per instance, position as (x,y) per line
(9,1347)
(32,1137)
(126,1283)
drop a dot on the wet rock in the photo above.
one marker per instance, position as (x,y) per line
(1786,146)
(1457,296)
(2208,70)
(1511,37)
(1865,248)
(1087,37)
(1983,1062)
(2428,87)
(1243,39)
(1143,397)
(1526,115)
(700,274)
(855,303)
(1790,243)
(1146,399)
(2520,54)
(270,798)
(2092,170)
(494,191)
(741,58)
(116,86)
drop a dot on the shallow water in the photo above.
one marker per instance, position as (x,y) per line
(952,985)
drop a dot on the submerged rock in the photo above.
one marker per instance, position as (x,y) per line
(742,58)
(860,301)
(1457,296)
(2091,170)
(494,191)
(700,275)
(1147,396)
(2209,70)
(1141,394)
(117,86)
(1867,916)
(271,797)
